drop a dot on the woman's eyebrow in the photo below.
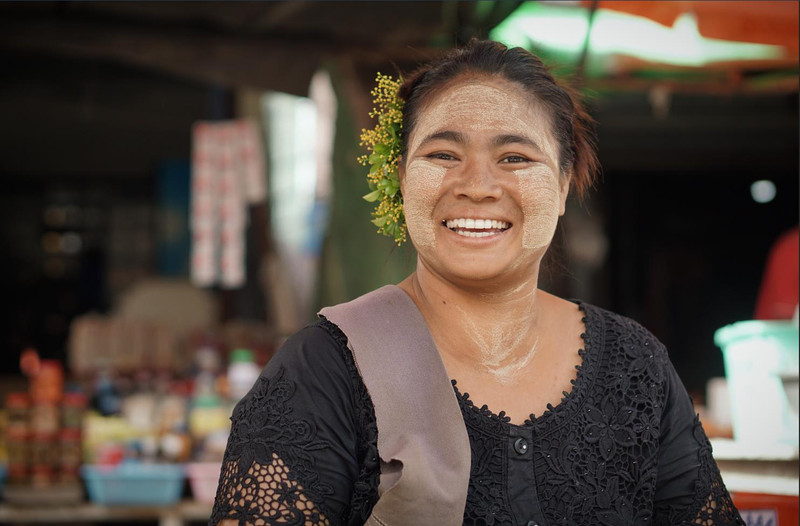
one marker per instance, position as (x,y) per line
(502,140)
(447,135)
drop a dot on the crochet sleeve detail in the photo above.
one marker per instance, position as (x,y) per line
(712,504)
(689,489)
(256,485)
(300,447)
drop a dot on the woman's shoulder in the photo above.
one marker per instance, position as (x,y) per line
(317,353)
(322,338)
(617,331)
(319,333)
(615,324)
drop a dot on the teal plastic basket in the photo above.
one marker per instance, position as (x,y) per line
(134,484)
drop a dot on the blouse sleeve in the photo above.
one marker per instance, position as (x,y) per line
(689,488)
(292,453)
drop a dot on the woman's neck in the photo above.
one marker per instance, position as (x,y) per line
(493,331)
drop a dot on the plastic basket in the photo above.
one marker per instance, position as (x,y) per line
(203,479)
(134,484)
(756,355)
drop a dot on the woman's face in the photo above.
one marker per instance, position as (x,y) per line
(480,182)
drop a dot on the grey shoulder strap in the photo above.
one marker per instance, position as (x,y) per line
(422,440)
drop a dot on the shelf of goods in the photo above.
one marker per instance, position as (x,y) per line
(763,480)
(175,515)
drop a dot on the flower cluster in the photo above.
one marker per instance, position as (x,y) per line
(384,145)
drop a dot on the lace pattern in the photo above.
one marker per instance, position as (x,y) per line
(595,454)
(256,487)
(712,505)
(269,474)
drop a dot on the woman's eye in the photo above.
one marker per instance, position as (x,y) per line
(514,159)
(441,156)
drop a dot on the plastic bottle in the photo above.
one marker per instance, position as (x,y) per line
(242,373)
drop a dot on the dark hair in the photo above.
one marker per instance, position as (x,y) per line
(572,125)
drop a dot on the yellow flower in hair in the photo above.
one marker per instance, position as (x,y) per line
(384,146)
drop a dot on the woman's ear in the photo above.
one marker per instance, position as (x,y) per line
(566,179)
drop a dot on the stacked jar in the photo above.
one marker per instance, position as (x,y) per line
(70,448)
(47,391)
(18,406)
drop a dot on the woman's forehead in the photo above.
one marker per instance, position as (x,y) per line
(485,104)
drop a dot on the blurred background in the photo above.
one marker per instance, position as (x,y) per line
(180,179)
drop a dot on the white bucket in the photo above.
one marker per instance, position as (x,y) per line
(757,354)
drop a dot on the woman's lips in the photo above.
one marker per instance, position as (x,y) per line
(471,227)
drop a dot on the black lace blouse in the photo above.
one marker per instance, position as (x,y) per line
(623,447)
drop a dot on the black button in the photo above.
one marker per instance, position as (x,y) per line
(521,446)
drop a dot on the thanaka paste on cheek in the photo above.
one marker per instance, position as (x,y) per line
(540,198)
(421,186)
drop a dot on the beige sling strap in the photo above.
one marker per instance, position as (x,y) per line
(422,440)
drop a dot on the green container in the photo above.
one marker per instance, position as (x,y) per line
(756,354)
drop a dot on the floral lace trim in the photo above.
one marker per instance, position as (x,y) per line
(266,495)
(253,492)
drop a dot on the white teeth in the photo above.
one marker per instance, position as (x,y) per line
(476,224)
(467,233)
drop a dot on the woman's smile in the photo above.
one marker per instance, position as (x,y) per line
(476,227)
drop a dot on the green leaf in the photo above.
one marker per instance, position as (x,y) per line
(391,191)
(379,221)
(373,196)
(375,158)
(380,148)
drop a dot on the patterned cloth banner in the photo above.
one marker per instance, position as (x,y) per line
(228,173)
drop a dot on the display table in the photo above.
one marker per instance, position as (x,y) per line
(771,469)
(766,478)
(763,480)
(178,515)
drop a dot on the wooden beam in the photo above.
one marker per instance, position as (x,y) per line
(217,59)
(234,61)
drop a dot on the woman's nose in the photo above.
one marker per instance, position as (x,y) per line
(477,181)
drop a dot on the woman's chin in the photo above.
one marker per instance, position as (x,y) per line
(475,271)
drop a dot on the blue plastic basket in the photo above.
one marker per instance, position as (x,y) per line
(134,484)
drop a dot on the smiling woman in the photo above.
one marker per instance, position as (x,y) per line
(575,414)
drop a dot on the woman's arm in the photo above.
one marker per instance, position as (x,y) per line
(292,457)
(689,488)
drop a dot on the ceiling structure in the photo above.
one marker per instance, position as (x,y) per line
(760,22)
(265,45)
(140,72)
(720,47)
(279,45)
